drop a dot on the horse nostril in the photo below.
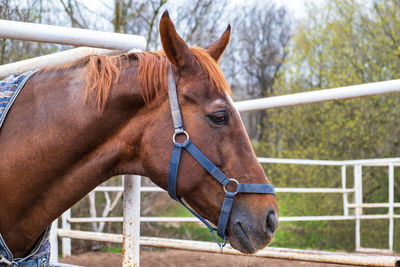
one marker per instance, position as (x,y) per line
(272,221)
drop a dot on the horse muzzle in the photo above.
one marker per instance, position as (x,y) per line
(249,232)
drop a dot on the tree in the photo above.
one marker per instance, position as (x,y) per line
(33,11)
(74,11)
(194,20)
(341,43)
(260,39)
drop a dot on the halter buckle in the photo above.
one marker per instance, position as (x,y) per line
(179,133)
(222,245)
(231,180)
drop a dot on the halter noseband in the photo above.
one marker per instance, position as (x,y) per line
(207,165)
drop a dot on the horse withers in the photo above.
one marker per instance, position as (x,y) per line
(74,126)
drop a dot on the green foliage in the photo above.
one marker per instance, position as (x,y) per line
(341,43)
(15,50)
(189,231)
(194,231)
(176,211)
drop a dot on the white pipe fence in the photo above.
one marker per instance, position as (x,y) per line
(268,252)
(63,35)
(340,93)
(52,60)
(131,226)
(69,36)
(354,214)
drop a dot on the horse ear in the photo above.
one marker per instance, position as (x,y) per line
(216,49)
(174,47)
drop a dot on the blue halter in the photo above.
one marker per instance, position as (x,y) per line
(208,166)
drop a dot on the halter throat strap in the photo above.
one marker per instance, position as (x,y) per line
(207,165)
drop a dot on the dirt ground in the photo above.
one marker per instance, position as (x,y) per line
(181,258)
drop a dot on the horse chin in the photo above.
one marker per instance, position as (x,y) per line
(246,240)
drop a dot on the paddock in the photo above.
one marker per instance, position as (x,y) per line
(131,188)
(185,258)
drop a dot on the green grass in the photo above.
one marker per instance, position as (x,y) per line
(176,211)
(112,249)
(303,235)
(321,235)
(190,231)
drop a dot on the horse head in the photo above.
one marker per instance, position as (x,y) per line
(215,127)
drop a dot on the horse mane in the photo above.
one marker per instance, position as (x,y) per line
(104,70)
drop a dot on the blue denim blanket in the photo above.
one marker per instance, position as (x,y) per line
(9,90)
(39,257)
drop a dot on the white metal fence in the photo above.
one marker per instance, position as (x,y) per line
(351,210)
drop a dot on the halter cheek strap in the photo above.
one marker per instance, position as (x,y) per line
(208,166)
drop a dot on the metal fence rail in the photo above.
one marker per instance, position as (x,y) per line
(269,252)
(351,211)
(51,60)
(340,93)
(70,36)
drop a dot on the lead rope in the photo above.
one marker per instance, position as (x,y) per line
(206,223)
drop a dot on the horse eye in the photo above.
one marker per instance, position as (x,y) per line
(219,118)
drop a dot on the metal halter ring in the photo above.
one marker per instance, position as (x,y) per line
(175,134)
(231,180)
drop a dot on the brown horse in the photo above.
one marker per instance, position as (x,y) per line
(74,126)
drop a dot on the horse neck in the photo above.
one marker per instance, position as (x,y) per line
(66,149)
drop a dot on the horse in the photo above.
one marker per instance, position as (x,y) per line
(74,126)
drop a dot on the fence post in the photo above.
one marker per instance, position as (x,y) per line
(54,242)
(345,200)
(66,242)
(131,225)
(358,202)
(391,205)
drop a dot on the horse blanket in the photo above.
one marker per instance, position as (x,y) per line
(9,90)
(39,257)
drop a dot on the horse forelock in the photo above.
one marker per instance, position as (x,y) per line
(102,71)
(210,66)
(153,70)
